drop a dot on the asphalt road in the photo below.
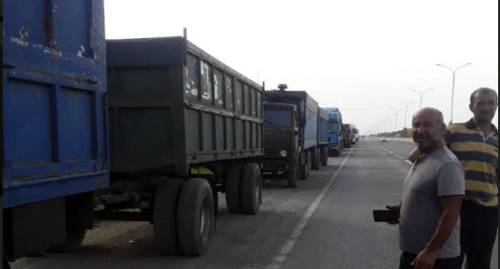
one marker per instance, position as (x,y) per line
(324,223)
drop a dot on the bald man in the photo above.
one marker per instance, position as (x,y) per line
(429,231)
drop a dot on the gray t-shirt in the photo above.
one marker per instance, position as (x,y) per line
(438,174)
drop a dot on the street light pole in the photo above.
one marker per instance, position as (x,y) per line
(406,107)
(453,71)
(396,123)
(422,94)
(389,126)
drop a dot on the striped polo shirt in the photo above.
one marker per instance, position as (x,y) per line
(479,156)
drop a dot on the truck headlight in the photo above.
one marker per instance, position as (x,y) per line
(283,153)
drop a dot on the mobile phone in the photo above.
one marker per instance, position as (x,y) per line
(385,215)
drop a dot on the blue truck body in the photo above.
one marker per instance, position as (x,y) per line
(323,136)
(334,130)
(54,117)
(308,111)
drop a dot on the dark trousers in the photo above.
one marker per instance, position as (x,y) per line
(478,233)
(407,258)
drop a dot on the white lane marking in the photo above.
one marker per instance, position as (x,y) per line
(280,258)
(406,161)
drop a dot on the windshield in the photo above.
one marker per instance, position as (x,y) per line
(277,117)
(333,127)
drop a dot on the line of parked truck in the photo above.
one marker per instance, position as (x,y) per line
(139,130)
(340,135)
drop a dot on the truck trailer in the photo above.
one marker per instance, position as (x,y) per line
(306,151)
(159,131)
(55,143)
(334,131)
(323,139)
(183,126)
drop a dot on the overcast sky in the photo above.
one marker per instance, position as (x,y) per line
(360,56)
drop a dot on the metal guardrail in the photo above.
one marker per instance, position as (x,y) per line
(409,140)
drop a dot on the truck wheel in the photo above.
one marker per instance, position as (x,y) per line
(251,189)
(336,153)
(6,264)
(309,163)
(292,176)
(195,217)
(324,155)
(74,239)
(164,216)
(303,168)
(79,210)
(232,183)
(316,161)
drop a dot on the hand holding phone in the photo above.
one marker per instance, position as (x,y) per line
(389,216)
(396,208)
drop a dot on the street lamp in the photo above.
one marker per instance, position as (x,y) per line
(453,85)
(396,123)
(389,126)
(406,106)
(421,94)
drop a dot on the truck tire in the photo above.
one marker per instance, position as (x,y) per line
(251,189)
(336,153)
(292,176)
(232,183)
(303,167)
(165,216)
(6,264)
(324,156)
(309,163)
(195,217)
(317,159)
(79,210)
(74,239)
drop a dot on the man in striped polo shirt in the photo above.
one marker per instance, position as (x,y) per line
(475,143)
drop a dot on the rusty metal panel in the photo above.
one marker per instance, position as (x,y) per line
(54,87)
(184,106)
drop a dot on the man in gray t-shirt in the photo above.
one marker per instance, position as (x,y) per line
(429,229)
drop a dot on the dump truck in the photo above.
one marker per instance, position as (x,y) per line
(346,135)
(334,131)
(281,142)
(183,126)
(55,140)
(355,133)
(305,153)
(323,139)
(173,127)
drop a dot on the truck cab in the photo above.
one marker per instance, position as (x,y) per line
(335,135)
(336,144)
(346,135)
(281,141)
(355,134)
